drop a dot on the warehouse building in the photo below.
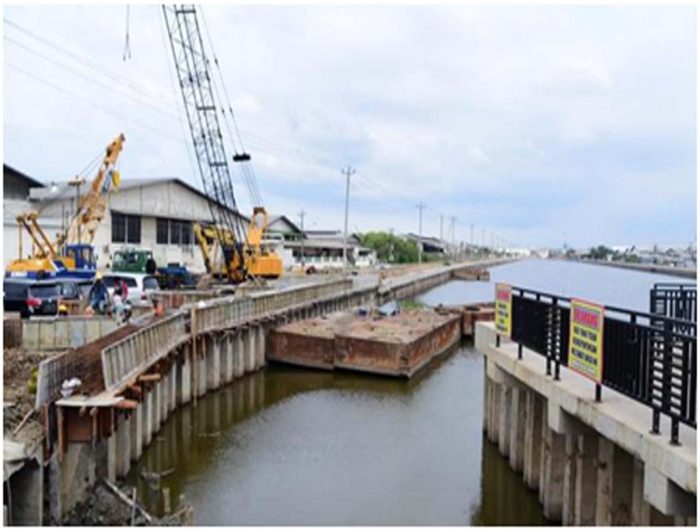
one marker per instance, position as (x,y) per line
(153,213)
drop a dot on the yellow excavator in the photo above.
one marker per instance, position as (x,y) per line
(72,254)
(250,259)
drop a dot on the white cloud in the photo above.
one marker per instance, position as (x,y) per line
(507,117)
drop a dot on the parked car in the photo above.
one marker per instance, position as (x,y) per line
(31,297)
(140,286)
(73,289)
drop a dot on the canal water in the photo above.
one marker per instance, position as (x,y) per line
(290,446)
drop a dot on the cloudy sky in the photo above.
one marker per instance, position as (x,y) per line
(543,125)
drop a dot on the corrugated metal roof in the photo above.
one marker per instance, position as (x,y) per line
(63,190)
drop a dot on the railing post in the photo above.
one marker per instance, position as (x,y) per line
(520,351)
(674,432)
(655,421)
(556,339)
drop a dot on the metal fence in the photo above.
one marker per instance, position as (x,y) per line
(650,358)
(674,300)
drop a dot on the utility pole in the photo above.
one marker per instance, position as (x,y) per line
(420,207)
(441,217)
(77,182)
(390,258)
(471,236)
(348,172)
(303,237)
(452,224)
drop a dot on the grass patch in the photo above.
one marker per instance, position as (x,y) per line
(411,304)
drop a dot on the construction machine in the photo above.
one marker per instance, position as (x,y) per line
(241,253)
(259,261)
(72,253)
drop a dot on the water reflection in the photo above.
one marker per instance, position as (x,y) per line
(504,499)
(290,446)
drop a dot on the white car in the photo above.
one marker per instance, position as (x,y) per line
(140,287)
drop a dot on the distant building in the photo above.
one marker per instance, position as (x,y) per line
(430,244)
(323,249)
(279,224)
(16,187)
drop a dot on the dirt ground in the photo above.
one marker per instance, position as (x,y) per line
(18,400)
(103,508)
(401,328)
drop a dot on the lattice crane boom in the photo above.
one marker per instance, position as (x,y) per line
(196,85)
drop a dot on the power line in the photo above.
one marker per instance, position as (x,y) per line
(92,103)
(55,47)
(87,77)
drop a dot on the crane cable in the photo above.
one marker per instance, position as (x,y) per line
(246,167)
(127,48)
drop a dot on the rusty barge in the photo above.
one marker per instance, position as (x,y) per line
(397,345)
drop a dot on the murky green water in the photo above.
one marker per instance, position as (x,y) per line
(291,446)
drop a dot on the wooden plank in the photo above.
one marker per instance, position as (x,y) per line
(125,499)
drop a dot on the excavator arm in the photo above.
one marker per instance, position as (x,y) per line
(42,244)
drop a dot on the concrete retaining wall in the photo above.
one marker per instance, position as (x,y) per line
(593,463)
(63,333)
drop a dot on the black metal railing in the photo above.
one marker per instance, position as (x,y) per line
(650,358)
(676,300)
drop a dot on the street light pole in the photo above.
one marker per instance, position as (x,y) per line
(420,207)
(303,236)
(348,172)
(77,182)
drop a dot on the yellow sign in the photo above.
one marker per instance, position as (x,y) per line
(504,309)
(586,339)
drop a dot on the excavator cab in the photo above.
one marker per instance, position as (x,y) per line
(82,255)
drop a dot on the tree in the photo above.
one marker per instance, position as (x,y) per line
(599,253)
(390,248)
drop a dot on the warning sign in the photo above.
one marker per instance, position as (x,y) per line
(504,309)
(586,339)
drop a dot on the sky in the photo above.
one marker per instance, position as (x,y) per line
(542,125)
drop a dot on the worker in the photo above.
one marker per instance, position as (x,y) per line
(62,310)
(99,296)
(120,308)
(124,289)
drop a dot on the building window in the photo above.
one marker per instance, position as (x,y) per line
(180,232)
(118,228)
(126,228)
(185,232)
(174,231)
(161,230)
(133,229)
